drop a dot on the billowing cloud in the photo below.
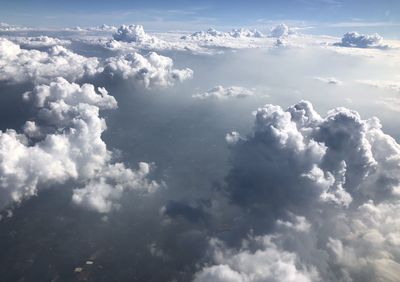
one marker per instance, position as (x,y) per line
(151,70)
(356,40)
(221,92)
(21,65)
(338,174)
(63,142)
(132,33)
(258,259)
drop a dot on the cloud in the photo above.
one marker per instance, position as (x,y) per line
(325,188)
(356,40)
(63,142)
(39,42)
(220,92)
(152,70)
(266,263)
(328,80)
(281,31)
(211,34)
(132,33)
(382,84)
(21,65)
(338,158)
(244,32)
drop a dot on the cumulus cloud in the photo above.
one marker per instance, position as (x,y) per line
(132,33)
(266,262)
(356,40)
(320,156)
(63,142)
(221,92)
(151,70)
(279,31)
(209,34)
(21,65)
(328,187)
(244,32)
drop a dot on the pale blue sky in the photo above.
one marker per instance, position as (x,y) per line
(179,14)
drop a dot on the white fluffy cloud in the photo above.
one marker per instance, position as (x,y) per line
(64,142)
(354,39)
(152,70)
(266,263)
(132,33)
(339,174)
(221,92)
(21,65)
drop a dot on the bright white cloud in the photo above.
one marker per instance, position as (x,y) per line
(266,263)
(221,92)
(20,65)
(132,33)
(152,70)
(64,142)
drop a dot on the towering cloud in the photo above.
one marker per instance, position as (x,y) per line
(64,142)
(132,33)
(339,174)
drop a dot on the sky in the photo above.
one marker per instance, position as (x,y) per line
(167,14)
(156,148)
